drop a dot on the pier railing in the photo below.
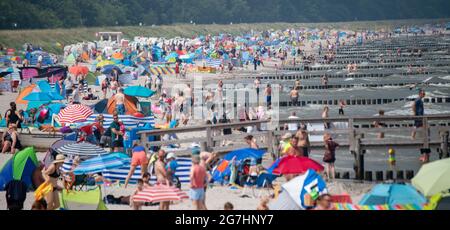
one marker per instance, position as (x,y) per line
(358,134)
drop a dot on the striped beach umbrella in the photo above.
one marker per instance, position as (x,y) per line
(160,193)
(101,163)
(74,113)
(81,149)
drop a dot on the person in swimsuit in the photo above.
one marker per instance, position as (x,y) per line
(12,116)
(161,176)
(51,175)
(294,96)
(303,142)
(10,140)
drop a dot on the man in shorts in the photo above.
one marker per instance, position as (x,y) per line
(198,176)
(116,134)
(139,158)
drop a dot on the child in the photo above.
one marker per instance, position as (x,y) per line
(391,159)
(228,206)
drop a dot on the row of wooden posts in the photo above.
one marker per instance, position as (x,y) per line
(356,135)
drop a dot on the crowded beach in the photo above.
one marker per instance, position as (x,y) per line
(263,120)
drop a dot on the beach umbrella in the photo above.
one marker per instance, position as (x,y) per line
(79,70)
(108,69)
(81,149)
(296,165)
(38,96)
(242,154)
(433,178)
(101,163)
(74,113)
(118,56)
(104,63)
(160,193)
(139,91)
(300,190)
(393,194)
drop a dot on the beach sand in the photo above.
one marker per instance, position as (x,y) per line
(216,196)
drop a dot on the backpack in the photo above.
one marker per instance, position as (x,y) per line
(16,193)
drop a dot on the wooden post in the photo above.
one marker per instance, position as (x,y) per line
(426,134)
(444,144)
(209,140)
(360,160)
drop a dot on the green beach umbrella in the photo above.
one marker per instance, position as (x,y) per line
(433,178)
(20,167)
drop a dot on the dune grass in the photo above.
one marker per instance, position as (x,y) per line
(48,38)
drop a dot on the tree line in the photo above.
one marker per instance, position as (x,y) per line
(31,14)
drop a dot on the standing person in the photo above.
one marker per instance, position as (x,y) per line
(292,148)
(10,140)
(379,124)
(325,81)
(418,110)
(330,155)
(116,134)
(139,158)
(159,84)
(13,116)
(161,176)
(105,86)
(76,94)
(303,142)
(326,124)
(189,99)
(198,178)
(51,175)
(294,96)
(120,102)
(293,126)
(171,169)
(68,87)
(257,84)
(342,105)
(268,94)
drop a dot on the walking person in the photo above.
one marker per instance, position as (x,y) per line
(51,175)
(303,142)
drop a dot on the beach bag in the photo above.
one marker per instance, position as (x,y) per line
(16,193)
(65,130)
(43,115)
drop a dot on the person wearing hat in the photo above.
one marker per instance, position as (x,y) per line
(171,168)
(284,143)
(139,158)
(51,175)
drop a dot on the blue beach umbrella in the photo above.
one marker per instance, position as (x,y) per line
(138,91)
(38,96)
(242,154)
(101,163)
(393,194)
